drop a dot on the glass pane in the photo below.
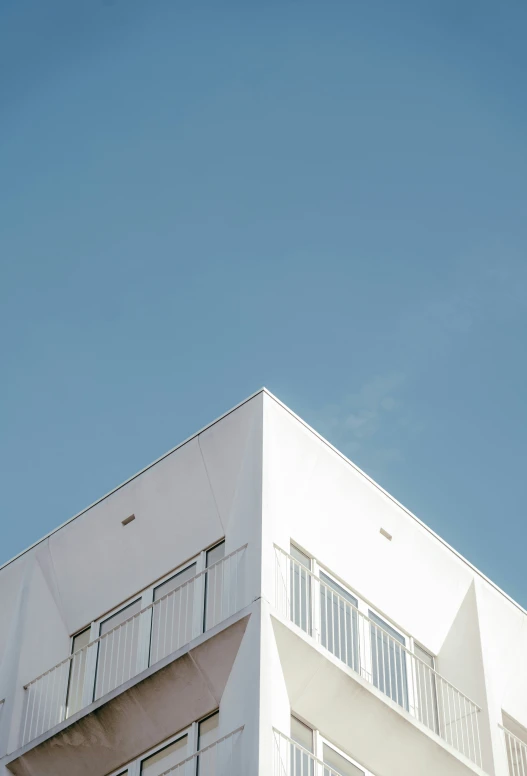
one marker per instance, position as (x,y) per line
(172,616)
(117,655)
(301,734)
(214,586)
(339,622)
(215,554)
(208,730)
(300,592)
(339,764)
(388,661)
(302,764)
(426,692)
(77,672)
(214,760)
(167,758)
(423,655)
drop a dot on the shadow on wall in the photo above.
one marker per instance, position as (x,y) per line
(460,662)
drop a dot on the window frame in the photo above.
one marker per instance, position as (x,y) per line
(133,768)
(142,759)
(298,718)
(206,583)
(312,612)
(325,741)
(434,691)
(356,656)
(199,723)
(319,740)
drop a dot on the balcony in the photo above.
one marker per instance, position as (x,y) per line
(144,639)
(516,753)
(371,652)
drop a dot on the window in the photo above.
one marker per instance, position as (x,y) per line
(214,586)
(388,660)
(165,758)
(300,592)
(117,654)
(172,616)
(77,672)
(208,730)
(338,763)
(312,753)
(302,735)
(210,762)
(425,689)
(186,750)
(339,625)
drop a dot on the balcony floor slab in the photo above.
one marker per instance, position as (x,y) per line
(141,713)
(359,718)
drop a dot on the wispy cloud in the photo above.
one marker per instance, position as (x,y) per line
(479,292)
(375,423)
(366,424)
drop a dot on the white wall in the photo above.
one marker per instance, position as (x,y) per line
(260,476)
(208,488)
(315,498)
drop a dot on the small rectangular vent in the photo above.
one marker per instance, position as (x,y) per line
(386,535)
(128,519)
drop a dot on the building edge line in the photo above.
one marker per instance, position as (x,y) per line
(328,444)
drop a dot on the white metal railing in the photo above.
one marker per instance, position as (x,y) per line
(291,759)
(516,753)
(222,758)
(367,648)
(143,639)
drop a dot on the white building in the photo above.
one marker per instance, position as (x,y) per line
(252,603)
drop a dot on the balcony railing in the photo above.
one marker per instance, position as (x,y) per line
(516,753)
(365,647)
(291,759)
(140,641)
(223,758)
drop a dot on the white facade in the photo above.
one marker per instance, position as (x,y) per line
(252,603)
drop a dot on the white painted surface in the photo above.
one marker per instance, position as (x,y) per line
(260,476)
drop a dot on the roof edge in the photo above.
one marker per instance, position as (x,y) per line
(137,474)
(341,455)
(397,503)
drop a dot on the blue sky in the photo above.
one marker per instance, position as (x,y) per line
(329,199)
